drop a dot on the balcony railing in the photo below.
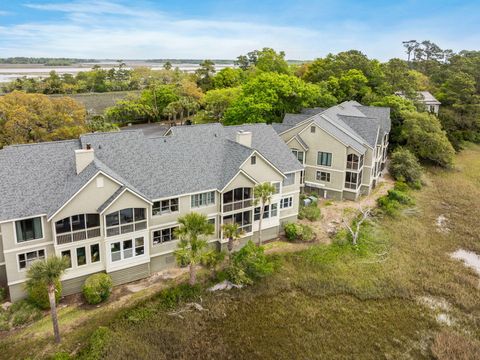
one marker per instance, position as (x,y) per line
(78,235)
(237,205)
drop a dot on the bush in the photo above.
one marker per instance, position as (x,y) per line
(249,264)
(97,344)
(404,166)
(310,212)
(97,288)
(23,312)
(392,202)
(291,231)
(299,232)
(38,294)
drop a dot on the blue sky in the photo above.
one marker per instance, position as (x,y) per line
(304,29)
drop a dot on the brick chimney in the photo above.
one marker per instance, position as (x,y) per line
(83,158)
(244,138)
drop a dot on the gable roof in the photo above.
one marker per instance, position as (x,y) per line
(41,178)
(351,123)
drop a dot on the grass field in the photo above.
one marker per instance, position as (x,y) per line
(398,295)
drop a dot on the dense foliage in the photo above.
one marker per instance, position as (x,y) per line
(97,288)
(404,166)
(26,118)
(264,86)
(38,294)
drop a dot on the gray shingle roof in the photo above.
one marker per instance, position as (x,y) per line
(352,123)
(40,178)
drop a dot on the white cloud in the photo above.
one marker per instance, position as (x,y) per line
(107,29)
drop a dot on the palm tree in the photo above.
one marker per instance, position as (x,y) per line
(49,272)
(193,248)
(263,195)
(232,232)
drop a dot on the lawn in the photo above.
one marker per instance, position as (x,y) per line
(398,295)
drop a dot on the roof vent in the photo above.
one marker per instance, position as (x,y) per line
(244,138)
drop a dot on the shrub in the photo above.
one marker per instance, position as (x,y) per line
(299,232)
(310,212)
(249,264)
(404,166)
(23,312)
(291,231)
(392,202)
(38,294)
(97,288)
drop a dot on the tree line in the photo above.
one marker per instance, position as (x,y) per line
(264,86)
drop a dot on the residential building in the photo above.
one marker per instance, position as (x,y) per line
(427,99)
(110,202)
(343,148)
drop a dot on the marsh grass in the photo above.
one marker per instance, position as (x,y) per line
(326,302)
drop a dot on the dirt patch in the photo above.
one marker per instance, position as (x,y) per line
(332,211)
(469,258)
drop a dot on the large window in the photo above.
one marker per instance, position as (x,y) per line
(81,256)
(289,180)
(164,235)
(324,159)
(323,176)
(203,199)
(26,259)
(300,155)
(29,229)
(165,206)
(238,198)
(126,221)
(94,253)
(243,219)
(68,255)
(77,227)
(276,185)
(286,202)
(354,162)
(353,180)
(268,212)
(126,249)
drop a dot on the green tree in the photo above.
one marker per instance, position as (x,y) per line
(352,85)
(227,78)
(205,74)
(404,166)
(423,135)
(459,88)
(193,247)
(263,195)
(267,60)
(167,65)
(232,232)
(398,107)
(49,272)
(216,102)
(267,97)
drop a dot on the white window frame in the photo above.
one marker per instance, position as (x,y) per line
(170,211)
(171,228)
(122,249)
(209,199)
(27,265)
(319,176)
(133,223)
(277,185)
(267,214)
(288,200)
(296,152)
(27,241)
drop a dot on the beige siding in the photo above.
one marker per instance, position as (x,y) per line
(89,199)
(240,181)
(261,171)
(130,274)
